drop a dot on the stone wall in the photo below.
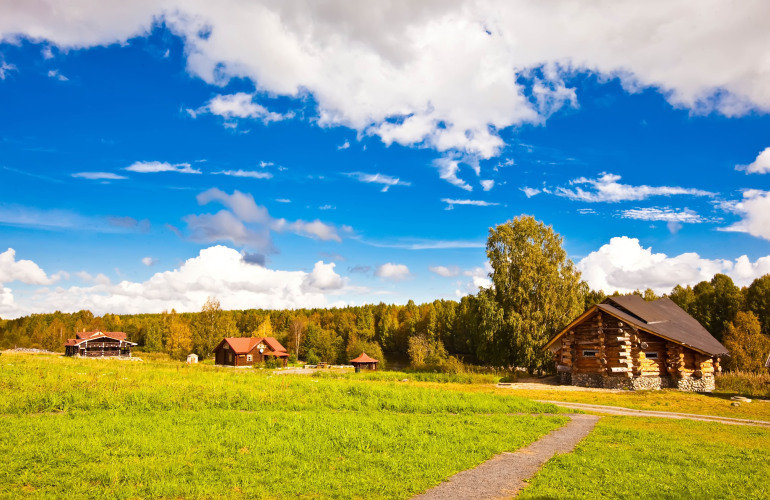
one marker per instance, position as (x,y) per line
(704,384)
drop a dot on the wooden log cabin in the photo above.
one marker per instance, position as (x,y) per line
(629,343)
(98,344)
(245,351)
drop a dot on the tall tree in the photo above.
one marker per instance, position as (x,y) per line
(748,347)
(536,285)
(210,327)
(758,301)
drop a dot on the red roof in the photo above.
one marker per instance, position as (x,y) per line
(363,358)
(99,333)
(243,345)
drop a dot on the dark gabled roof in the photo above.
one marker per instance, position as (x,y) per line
(660,317)
(89,336)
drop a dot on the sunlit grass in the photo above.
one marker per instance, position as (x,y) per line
(628,457)
(117,429)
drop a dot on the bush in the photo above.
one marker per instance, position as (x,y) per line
(312,357)
(744,383)
(292,359)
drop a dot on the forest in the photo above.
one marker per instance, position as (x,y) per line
(536,291)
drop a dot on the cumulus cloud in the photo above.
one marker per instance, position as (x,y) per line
(393,272)
(755,212)
(476,203)
(487,184)
(56,75)
(448,169)
(245,173)
(606,188)
(99,176)
(530,192)
(24,271)
(761,165)
(344,145)
(239,105)
(148,167)
(386,180)
(246,223)
(446,272)
(502,63)
(217,271)
(624,265)
(479,278)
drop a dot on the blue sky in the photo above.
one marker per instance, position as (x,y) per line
(309,155)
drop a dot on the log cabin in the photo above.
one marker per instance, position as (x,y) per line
(98,344)
(245,351)
(629,343)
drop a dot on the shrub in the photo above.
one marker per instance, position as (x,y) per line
(312,357)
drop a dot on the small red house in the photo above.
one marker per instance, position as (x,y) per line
(245,351)
(98,344)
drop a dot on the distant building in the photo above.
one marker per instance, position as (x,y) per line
(192,359)
(245,351)
(98,344)
(628,343)
(364,362)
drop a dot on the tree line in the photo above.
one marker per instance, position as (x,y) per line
(536,291)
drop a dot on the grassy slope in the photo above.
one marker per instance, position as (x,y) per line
(177,431)
(627,457)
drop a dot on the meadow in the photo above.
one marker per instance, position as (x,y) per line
(120,429)
(626,457)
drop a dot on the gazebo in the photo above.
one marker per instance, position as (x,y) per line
(365,362)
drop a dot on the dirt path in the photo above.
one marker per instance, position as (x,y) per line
(617,410)
(503,475)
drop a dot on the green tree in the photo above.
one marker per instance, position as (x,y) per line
(210,327)
(535,284)
(758,301)
(748,347)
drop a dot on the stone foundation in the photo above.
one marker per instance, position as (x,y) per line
(692,384)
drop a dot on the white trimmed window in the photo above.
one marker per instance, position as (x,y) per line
(249,358)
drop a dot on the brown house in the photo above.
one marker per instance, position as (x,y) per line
(628,343)
(245,351)
(98,344)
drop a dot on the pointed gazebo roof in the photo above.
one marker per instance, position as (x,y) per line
(363,358)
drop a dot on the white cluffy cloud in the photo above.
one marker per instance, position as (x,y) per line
(217,271)
(446,272)
(383,179)
(624,265)
(502,62)
(246,223)
(393,272)
(759,166)
(755,212)
(149,167)
(149,261)
(239,105)
(606,188)
(24,271)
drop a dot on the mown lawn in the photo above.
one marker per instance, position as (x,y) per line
(626,457)
(105,428)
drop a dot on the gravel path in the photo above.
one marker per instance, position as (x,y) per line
(503,475)
(617,410)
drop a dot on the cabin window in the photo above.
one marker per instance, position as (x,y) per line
(590,354)
(651,355)
(249,358)
(226,346)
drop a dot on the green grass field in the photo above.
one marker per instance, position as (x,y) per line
(116,429)
(627,457)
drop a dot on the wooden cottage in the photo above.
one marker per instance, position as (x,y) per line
(628,343)
(98,344)
(364,362)
(245,351)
